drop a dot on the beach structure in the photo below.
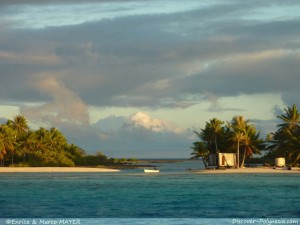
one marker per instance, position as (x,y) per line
(280,162)
(222,160)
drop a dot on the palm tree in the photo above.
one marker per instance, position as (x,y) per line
(200,150)
(285,142)
(2,149)
(291,118)
(215,128)
(293,146)
(237,138)
(57,139)
(27,143)
(237,127)
(20,127)
(7,141)
(19,124)
(251,142)
(42,137)
(211,133)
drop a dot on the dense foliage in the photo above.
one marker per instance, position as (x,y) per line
(237,136)
(285,142)
(21,146)
(241,137)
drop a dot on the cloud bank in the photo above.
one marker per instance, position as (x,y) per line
(138,135)
(150,56)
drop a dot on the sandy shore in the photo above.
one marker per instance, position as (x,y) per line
(54,170)
(249,170)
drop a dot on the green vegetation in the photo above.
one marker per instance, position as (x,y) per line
(237,136)
(241,137)
(285,142)
(21,146)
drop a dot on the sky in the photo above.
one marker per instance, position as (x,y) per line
(135,78)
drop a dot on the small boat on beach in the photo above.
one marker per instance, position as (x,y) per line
(151,171)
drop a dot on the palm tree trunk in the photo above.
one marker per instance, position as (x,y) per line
(24,155)
(216,144)
(12,158)
(244,157)
(238,155)
(204,162)
(13,152)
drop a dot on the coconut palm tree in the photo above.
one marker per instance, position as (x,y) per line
(42,137)
(212,132)
(7,141)
(2,149)
(292,146)
(19,124)
(27,143)
(285,141)
(20,127)
(237,138)
(57,139)
(215,130)
(237,128)
(251,142)
(291,118)
(200,150)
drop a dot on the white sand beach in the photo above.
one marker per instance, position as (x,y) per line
(250,170)
(55,170)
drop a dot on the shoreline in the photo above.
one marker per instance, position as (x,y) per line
(294,170)
(255,170)
(56,170)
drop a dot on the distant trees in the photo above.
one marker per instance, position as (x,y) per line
(7,142)
(21,146)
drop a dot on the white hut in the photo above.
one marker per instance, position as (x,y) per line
(222,160)
(227,159)
(280,162)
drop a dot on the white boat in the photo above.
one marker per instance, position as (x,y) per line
(151,171)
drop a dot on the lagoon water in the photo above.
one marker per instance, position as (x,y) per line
(174,193)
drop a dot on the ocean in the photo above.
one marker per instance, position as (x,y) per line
(175,196)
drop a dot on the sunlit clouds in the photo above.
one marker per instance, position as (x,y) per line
(118,76)
(63,106)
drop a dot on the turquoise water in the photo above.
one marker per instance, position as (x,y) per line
(175,193)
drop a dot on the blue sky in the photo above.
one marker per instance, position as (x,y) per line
(135,78)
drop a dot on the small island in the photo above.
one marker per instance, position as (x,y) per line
(47,150)
(237,144)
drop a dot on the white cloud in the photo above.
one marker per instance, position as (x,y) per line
(143,119)
(140,135)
